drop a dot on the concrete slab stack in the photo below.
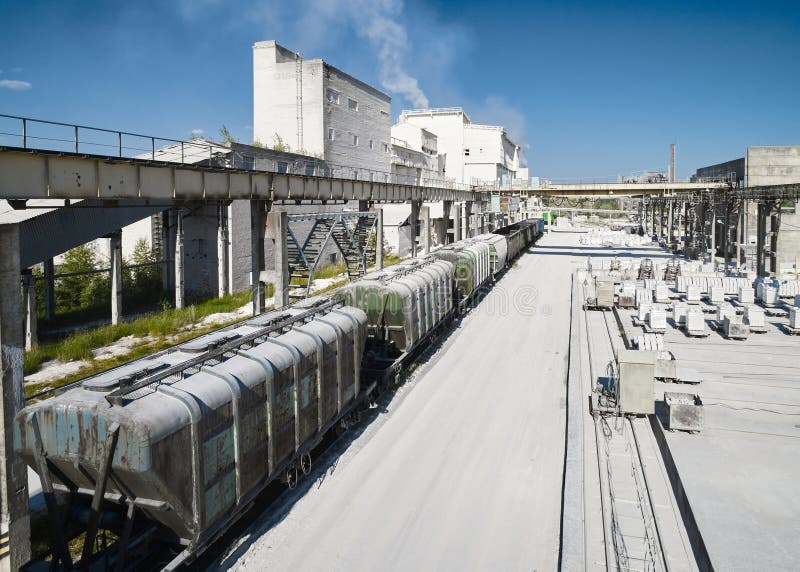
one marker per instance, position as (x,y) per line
(746,295)
(696,323)
(717,294)
(767,294)
(657,320)
(754,318)
(794,319)
(679,311)
(693,292)
(661,292)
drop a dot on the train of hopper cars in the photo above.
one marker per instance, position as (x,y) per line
(170,450)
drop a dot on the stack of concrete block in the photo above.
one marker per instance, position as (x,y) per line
(754,318)
(679,311)
(717,294)
(767,294)
(746,295)
(733,328)
(643,296)
(627,295)
(693,293)
(696,323)
(794,319)
(644,312)
(725,311)
(789,289)
(657,319)
(662,292)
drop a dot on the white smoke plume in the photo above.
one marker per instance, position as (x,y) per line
(380,22)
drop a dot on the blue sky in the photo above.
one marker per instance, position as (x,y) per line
(591,89)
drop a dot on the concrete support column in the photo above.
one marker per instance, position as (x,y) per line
(29,309)
(14,516)
(712,209)
(775,225)
(456,222)
(179,279)
(277,224)
(115,259)
(222,251)
(686,237)
(49,289)
(415,209)
(670,229)
(741,233)
(166,249)
(447,207)
(761,232)
(258,210)
(726,235)
(467,217)
(425,221)
(379,238)
(661,219)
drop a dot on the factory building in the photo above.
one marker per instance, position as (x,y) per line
(313,108)
(474,154)
(415,156)
(762,166)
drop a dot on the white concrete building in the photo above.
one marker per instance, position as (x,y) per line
(415,156)
(317,109)
(474,154)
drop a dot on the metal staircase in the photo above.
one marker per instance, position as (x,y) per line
(350,232)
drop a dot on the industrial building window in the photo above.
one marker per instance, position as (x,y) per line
(332,96)
(466,152)
(355,140)
(309,170)
(352,104)
(283,167)
(248,162)
(331,134)
(386,177)
(371,144)
(385,148)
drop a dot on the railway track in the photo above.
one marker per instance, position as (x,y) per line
(630,527)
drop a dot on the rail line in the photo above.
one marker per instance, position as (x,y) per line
(633,540)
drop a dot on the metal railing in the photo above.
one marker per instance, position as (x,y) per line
(42,135)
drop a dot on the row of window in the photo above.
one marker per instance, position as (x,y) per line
(333,96)
(355,140)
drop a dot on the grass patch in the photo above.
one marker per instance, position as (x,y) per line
(330,270)
(79,345)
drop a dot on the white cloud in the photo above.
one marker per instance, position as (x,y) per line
(14,84)
(380,22)
(196,133)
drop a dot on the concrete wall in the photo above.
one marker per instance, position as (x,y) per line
(735,169)
(275,101)
(448,126)
(370,122)
(772,165)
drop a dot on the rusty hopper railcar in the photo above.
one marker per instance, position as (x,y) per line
(403,303)
(190,437)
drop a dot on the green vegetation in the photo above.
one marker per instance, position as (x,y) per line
(330,270)
(226,135)
(87,296)
(280,145)
(166,328)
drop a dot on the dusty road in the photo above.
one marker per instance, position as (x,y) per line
(463,468)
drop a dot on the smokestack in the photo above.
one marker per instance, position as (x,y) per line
(672,163)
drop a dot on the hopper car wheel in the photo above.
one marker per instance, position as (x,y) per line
(291,477)
(305,463)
